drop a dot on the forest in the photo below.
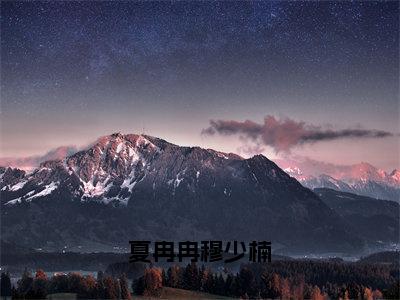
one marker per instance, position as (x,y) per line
(286,279)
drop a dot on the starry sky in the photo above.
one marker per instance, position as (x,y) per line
(73,71)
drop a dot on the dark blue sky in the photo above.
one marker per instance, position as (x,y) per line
(72,71)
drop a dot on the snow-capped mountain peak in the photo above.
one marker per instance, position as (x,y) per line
(293,171)
(113,162)
(365,171)
(395,175)
(112,167)
(363,179)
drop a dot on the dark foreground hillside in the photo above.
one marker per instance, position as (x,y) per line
(376,220)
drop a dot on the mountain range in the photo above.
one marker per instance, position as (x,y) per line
(133,187)
(361,179)
(128,187)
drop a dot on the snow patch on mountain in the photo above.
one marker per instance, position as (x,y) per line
(92,190)
(129,183)
(18,186)
(14,201)
(48,189)
(177,181)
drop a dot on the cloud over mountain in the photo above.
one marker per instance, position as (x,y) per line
(31,162)
(284,134)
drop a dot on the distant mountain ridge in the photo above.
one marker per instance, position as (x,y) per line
(362,179)
(131,186)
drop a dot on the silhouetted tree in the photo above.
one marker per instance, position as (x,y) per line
(220,285)
(247,282)
(89,288)
(228,285)
(173,276)
(100,275)
(285,289)
(209,284)
(235,286)
(367,294)
(316,294)
(152,282)
(164,278)
(125,293)
(138,286)
(111,288)
(25,283)
(39,285)
(40,274)
(190,278)
(76,284)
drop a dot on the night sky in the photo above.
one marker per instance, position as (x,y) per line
(73,71)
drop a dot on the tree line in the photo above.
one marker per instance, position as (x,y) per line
(297,279)
(281,280)
(85,287)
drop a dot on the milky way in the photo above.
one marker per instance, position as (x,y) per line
(82,69)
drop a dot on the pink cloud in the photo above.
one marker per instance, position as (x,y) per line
(284,134)
(31,162)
